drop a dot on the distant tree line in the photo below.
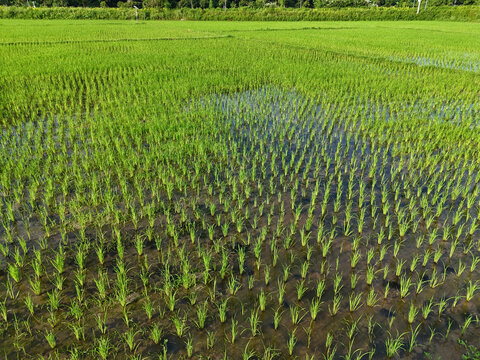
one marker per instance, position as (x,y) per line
(211,4)
(247,13)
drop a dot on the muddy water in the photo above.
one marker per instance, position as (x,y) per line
(297,129)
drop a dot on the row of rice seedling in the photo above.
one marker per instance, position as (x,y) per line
(261,215)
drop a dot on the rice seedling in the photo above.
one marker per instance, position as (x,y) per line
(180,324)
(471,288)
(394,345)
(51,339)
(103,348)
(413,338)
(292,341)
(234,332)
(412,313)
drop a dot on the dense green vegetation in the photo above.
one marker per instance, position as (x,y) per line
(210,190)
(213,4)
(448,13)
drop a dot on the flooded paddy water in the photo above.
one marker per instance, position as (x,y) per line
(307,231)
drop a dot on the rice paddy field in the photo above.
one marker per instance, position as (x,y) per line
(226,190)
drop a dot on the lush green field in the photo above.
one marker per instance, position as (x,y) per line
(255,190)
